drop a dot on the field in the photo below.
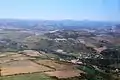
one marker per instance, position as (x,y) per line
(18,67)
(30,53)
(15,66)
(34,76)
(55,65)
(62,69)
(64,73)
(9,57)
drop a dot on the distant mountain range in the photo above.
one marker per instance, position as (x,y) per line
(53,24)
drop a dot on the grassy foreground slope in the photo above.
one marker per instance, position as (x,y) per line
(34,76)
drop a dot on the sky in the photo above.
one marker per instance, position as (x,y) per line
(100,10)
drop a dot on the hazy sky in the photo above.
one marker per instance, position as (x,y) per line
(61,9)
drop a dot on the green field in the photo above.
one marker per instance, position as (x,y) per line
(34,76)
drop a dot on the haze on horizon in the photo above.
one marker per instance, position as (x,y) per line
(100,10)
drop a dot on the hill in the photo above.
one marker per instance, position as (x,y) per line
(53,24)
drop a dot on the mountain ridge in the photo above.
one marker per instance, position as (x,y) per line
(54,24)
